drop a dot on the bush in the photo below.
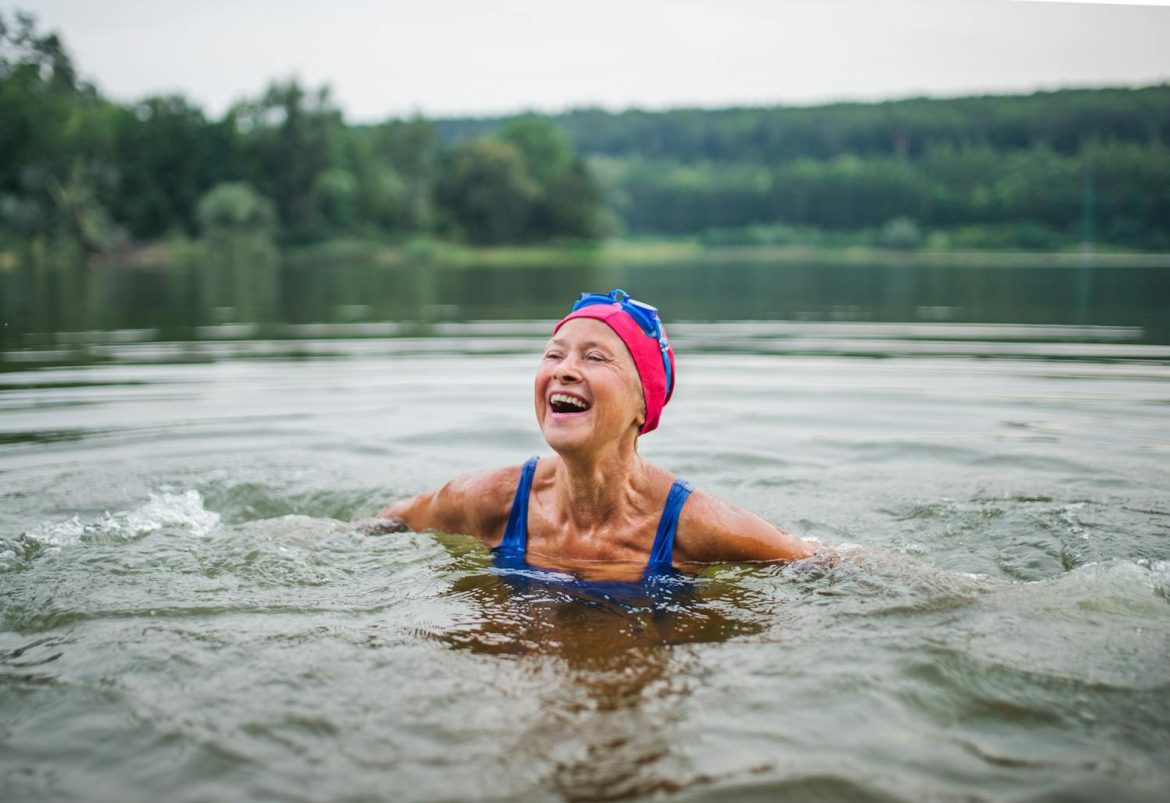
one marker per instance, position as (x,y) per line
(901,233)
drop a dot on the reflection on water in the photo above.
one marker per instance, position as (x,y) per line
(607,662)
(174,303)
(592,624)
(619,670)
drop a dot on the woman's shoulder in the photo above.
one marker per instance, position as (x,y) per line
(713,530)
(487,492)
(487,480)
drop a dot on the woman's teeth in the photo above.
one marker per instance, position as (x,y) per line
(564,403)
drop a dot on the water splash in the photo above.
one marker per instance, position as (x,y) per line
(180,513)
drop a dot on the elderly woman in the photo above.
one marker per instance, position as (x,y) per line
(598,509)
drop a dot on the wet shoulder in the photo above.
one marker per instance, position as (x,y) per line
(712,530)
(486,497)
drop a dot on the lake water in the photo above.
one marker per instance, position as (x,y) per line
(187,613)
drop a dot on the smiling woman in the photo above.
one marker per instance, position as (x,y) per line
(597,508)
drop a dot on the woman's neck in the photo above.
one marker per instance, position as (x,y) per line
(601,488)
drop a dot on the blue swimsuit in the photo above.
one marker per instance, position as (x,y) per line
(511,551)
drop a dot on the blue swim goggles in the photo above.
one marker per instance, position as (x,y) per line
(644,315)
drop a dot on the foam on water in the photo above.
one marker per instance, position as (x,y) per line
(179,513)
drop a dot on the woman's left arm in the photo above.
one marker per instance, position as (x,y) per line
(714,531)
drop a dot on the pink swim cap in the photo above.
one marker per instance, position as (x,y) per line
(640,328)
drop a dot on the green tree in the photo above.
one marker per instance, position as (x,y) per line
(336,199)
(486,190)
(900,233)
(547,153)
(235,208)
(56,165)
(289,137)
(168,156)
(573,205)
(404,162)
(568,202)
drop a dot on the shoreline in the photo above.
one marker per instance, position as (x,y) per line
(607,253)
(667,252)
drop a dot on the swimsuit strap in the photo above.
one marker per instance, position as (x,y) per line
(662,551)
(515,541)
(514,544)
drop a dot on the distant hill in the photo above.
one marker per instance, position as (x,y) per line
(1063,121)
(1042,171)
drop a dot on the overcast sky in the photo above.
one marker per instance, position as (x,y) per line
(387,58)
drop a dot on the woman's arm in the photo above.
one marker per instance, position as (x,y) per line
(473,504)
(714,531)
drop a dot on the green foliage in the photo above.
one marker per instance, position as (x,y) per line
(75,167)
(1065,121)
(237,225)
(79,215)
(526,185)
(56,168)
(27,56)
(1049,170)
(289,137)
(235,208)
(486,189)
(1047,167)
(999,237)
(901,233)
(396,164)
(572,207)
(168,155)
(569,202)
(336,198)
(545,149)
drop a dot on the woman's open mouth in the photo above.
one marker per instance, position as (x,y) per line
(567,403)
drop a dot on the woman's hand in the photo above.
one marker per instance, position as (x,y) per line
(380,526)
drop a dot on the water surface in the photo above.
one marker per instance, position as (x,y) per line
(188,613)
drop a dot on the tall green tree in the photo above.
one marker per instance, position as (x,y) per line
(289,137)
(56,160)
(405,155)
(168,155)
(486,190)
(568,202)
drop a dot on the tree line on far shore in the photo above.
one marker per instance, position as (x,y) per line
(1046,171)
(1042,171)
(78,168)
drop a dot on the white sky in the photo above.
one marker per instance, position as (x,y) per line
(387,58)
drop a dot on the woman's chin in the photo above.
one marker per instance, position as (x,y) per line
(567,432)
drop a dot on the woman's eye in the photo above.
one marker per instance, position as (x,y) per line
(595,357)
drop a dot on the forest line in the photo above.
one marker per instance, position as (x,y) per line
(1050,171)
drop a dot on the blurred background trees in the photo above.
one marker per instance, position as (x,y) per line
(1044,172)
(57,171)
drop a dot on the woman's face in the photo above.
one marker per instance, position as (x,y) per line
(587,389)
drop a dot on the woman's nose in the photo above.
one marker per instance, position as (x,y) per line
(567,370)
